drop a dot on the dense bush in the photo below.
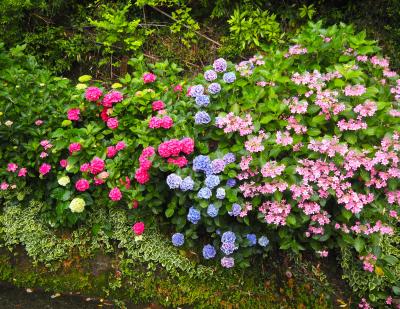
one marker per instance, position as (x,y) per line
(297,148)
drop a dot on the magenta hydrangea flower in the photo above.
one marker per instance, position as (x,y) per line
(115,194)
(111,98)
(44,169)
(74,147)
(92,94)
(12,167)
(82,185)
(96,166)
(73,114)
(148,78)
(112,123)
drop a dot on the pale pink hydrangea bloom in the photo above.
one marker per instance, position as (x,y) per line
(272,169)
(275,212)
(231,123)
(356,90)
(369,108)
(284,138)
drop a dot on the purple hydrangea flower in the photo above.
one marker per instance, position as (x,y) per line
(202,100)
(217,165)
(212,211)
(202,118)
(263,241)
(231,182)
(193,215)
(204,193)
(196,90)
(187,184)
(229,158)
(235,211)
(227,262)
(220,65)
(252,238)
(210,75)
(209,252)
(201,163)
(214,88)
(229,77)
(220,193)
(212,181)
(178,239)
(174,181)
(228,237)
(228,248)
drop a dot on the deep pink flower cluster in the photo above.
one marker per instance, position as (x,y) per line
(174,147)
(231,123)
(73,114)
(115,194)
(178,161)
(165,122)
(44,169)
(112,98)
(74,147)
(112,151)
(142,175)
(112,123)
(82,185)
(96,166)
(149,78)
(158,105)
(93,94)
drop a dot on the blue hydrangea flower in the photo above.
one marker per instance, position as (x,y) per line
(193,215)
(228,248)
(196,90)
(220,65)
(187,184)
(210,75)
(178,239)
(201,163)
(204,193)
(202,118)
(214,88)
(263,241)
(209,252)
(228,237)
(235,211)
(217,165)
(231,182)
(220,193)
(174,181)
(212,211)
(252,238)
(229,77)
(227,262)
(212,181)
(229,158)
(202,100)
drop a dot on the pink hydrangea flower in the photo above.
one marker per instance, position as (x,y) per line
(46,144)
(179,161)
(155,123)
(187,145)
(111,98)
(138,228)
(158,105)
(43,154)
(22,172)
(82,185)
(112,123)
(4,186)
(44,168)
(63,163)
(39,122)
(12,167)
(142,176)
(120,146)
(115,194)
(178,88)
(96,165)
(73,114)
(84,167)
(148,78)
(92,94)
(148,151)
(111,152)
(167,122)
(74,147)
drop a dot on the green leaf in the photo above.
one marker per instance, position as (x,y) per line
(359,244)
(169,212)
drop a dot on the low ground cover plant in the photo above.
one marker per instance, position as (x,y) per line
(297,148)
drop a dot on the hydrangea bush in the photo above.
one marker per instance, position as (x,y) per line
(296,148)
